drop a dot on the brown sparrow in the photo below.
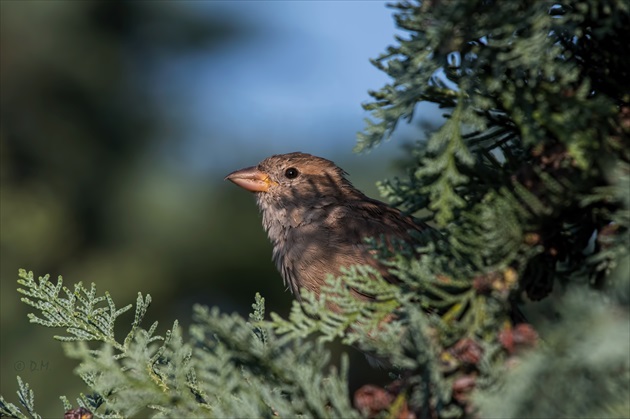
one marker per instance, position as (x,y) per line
(317,221)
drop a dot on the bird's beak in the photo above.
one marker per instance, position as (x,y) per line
(251,179)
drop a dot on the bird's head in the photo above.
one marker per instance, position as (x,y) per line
(294,180)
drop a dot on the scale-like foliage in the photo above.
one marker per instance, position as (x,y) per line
(27,400)
(226,367)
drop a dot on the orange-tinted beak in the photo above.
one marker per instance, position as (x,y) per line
(251,179)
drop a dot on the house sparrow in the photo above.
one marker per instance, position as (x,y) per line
(317,221)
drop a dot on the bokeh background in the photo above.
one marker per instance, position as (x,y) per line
(119,121)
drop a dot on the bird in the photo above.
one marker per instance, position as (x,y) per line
(318,222)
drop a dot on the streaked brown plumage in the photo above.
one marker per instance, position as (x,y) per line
(316,220)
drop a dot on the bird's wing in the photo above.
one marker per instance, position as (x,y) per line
(357,220)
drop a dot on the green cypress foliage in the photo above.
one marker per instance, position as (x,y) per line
(527,183)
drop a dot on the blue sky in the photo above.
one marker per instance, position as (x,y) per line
(297,84)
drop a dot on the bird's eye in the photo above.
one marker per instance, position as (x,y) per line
(291,173)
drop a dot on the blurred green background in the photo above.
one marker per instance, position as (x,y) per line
(98,185)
